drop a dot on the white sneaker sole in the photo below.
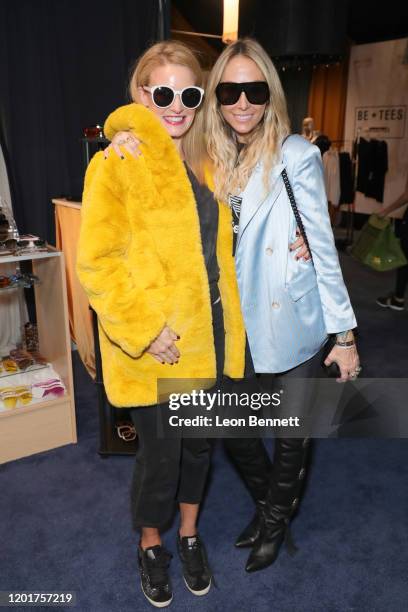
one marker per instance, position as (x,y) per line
(399,308)
(198,593)
(157,604)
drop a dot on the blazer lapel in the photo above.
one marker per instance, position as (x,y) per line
(255,194)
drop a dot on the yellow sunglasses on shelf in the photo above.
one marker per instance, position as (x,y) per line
(10,396)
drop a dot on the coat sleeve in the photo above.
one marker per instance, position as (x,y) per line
(125,309)
(310,196)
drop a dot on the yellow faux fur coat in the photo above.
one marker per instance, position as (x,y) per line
(141,263)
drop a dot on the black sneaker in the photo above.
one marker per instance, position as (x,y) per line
(196,571)
(156,586)
(389,301)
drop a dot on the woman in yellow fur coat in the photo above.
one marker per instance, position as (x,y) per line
(162,282)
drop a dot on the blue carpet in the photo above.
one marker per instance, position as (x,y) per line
(65,520)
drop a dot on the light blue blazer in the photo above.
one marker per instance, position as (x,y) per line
(289,306)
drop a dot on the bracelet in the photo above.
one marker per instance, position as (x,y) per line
(346,344)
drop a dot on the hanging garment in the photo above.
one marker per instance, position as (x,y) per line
(372,168)
(364,164)
(323,142)
(379,167)
(346,179)
(332,176)
(13,310)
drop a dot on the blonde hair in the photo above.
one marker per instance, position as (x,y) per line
(263,143)
(162,54)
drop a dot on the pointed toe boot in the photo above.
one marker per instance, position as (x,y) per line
(282,501)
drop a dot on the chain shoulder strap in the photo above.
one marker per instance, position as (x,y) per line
(295,209)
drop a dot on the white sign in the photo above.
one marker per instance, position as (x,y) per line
(381,121)
(377,102)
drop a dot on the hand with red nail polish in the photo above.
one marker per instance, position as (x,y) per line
(163,348)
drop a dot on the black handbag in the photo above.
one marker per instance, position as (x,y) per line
(333,370)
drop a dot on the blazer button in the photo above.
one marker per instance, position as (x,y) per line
(268,251)
(275,305)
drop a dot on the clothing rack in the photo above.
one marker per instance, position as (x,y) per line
(355,165)
(348,240)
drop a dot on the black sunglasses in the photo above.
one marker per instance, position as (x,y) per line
(8,243)
(163,96)
(257,92)
(25,243)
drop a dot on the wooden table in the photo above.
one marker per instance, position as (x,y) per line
(67,224)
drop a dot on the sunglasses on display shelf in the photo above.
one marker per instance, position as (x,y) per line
(10,396)
(163,96)
(4,282)
(10,243)
(4,228)
(26,280)
(24,244)
(23,359)
(9,365)
(257,92)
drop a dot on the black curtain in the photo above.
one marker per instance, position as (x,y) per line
(296,84)
(302,27)
(64,65)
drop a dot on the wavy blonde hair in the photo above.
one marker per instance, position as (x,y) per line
(264,142)
(174,52)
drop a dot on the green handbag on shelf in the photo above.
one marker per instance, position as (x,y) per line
(378,247)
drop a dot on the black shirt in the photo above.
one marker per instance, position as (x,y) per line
(207,209)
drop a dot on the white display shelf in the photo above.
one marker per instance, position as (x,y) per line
(34,368)
(35,404)
(44,423)
(29,256)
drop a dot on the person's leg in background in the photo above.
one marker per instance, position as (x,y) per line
(402,273)
(289,463)
(396,300)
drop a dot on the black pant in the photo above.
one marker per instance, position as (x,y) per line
(402,273)
(170,469)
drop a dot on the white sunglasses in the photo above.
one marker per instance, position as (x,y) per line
(163,96)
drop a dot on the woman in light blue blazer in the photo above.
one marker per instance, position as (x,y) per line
(290,306)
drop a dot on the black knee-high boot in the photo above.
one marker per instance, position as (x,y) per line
(252,461)
(282,500)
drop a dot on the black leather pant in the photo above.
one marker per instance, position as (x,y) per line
(250,456)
